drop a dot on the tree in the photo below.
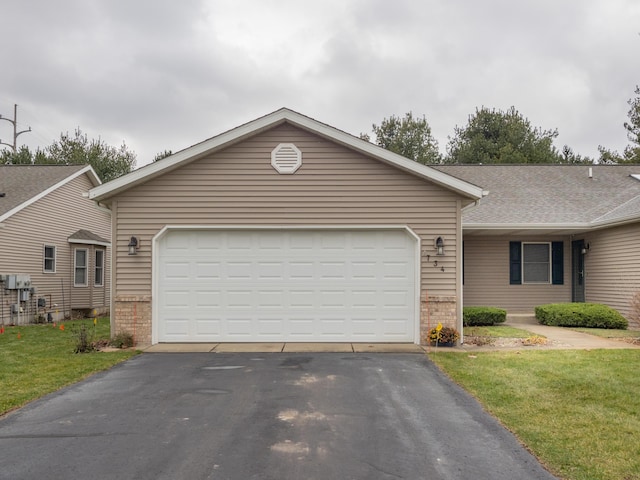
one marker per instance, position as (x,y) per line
(494,136)
(570,157)
(631,153)
(24,156)
(409,137)
(163,154)
(107,161)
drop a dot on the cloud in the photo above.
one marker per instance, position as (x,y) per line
(165,75)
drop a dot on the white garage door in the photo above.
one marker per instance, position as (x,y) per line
(286,285)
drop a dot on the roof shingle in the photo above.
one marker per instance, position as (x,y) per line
(550,194)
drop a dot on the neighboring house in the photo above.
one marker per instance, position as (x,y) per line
(54,243)
(551,233)
(285,229)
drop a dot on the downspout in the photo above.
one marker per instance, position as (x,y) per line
(459,286)
(114,249)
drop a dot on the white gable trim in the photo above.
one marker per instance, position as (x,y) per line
(88,242)
(88,170)
(280,116)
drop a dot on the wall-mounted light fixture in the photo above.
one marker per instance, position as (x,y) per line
(133,246)
(585,249)
(439,245)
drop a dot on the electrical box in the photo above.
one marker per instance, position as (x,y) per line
(11,282)
(15,308)
(24,295)
(42,302)
(23,281)
(33,290)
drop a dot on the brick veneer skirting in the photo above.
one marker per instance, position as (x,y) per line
(133,316)
(440,309)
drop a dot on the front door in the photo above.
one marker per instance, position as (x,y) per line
(577,271)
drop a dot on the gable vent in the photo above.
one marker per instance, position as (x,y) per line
(286,158)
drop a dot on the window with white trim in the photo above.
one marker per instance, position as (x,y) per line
(49,261)
(80,267)
(98,277)
(536,262)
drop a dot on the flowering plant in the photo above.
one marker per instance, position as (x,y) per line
(443,335)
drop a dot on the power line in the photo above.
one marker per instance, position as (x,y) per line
(16,133)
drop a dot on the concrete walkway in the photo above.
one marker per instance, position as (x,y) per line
(285,348)
(559,338)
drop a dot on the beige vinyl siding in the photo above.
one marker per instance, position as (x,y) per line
(237,186)
(612,268)
(50,221)
(486,276)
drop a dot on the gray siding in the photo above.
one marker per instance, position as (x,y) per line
(486,276)
(612,268)
(238,186)
(50,221)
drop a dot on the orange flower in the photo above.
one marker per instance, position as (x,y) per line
(61,326)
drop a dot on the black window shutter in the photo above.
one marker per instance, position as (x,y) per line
(557,263)
(515,263)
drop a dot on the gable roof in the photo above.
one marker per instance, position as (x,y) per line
(271,120)
(559,198)
(23,185)
(86,237)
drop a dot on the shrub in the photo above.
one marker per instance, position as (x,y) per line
(83,337)
(122,340)
(480,316)
(445,335)
(590,315)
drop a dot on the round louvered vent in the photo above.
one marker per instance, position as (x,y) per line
(286,158)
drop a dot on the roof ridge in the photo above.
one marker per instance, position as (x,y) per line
(617,207)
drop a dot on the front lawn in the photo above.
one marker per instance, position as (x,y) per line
(578,411)
(499,331)
(39,359)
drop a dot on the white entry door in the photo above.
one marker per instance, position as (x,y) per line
(295,285)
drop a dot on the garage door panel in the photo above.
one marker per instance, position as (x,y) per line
(207,270)
(239,326)
(300,270)
(177,327)
(205,327)
(239,270)
(332,271)
(270,299)
(297,285)
(299,299)
(177,270)
(208,299)
(270,326)
(270,270)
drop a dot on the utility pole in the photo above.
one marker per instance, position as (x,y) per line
(16,133)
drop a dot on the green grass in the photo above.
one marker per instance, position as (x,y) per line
(577,411)
(497,332)
(39,359)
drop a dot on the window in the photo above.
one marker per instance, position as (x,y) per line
(49,264)
(536,262)
(80,268)
(98,278)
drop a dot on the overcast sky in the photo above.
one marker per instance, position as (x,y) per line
(165,74)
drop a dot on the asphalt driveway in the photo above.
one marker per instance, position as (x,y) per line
(262,416)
